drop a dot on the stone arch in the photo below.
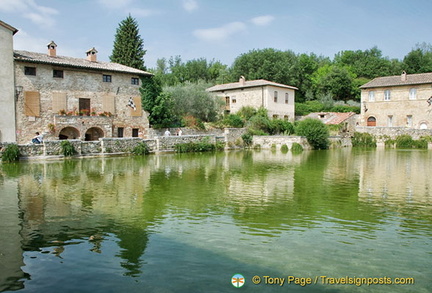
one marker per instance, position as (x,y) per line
(371,121)
(423,125)
(69,133)
(93,133)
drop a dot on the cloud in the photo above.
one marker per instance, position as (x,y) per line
(220,33)
(262,20)
(190,5)
(38,14)
(138,12)
(115,4)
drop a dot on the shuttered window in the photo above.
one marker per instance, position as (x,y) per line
(138,111)
(108,104)
(59,102)
(32,104)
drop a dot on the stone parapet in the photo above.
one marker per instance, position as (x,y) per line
(393,132)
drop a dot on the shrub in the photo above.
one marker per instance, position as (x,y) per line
(365,140)
(259,123)
(202,146)
(141,149)
(284,148)
(233,120)
(278,126)
(247,112)
(420,144)
(247,139)
(404,141)
(296,148)
(315,132)
(68,149)
(11,154)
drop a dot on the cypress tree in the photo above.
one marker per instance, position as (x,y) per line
(128,45)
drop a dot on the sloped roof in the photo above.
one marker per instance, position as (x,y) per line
(9,27)
(81,63)
(331,117)
(396,80)
(247,84)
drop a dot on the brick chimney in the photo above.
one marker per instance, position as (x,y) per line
(52,52)
(404,76)
(242,80)
(91,54)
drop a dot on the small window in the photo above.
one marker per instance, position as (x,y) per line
(286,98)
(234,100)
(58,73)
(371,96)
(120,132)
(409,121)
(275,116)
(106,78)
(390,121)
(29,70)
(275,96)
(134,132)
(387,95)
(286,117)
(135,80)
(413,94)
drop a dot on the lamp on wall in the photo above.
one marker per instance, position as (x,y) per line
(18,91)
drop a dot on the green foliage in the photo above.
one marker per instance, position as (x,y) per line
(158,104)
(141,149)
(11,153)
(405,141)
(284,148)
(279,126)
(296,148)
(419,60)
(315,131)
(128,45)
(365,140)
(247,112)
(233,120)
(192,99)
(202,146)
(259,124)
(247,139)
(67,148)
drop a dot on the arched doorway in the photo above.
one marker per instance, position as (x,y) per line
(69,133)
(371,121)
(423,125)
(93,133)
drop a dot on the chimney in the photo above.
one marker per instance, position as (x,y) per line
(91,54)
(242,80)
(403,76)
(52,49)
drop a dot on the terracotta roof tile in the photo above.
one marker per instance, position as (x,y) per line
(83,63)
(247,84)
(396,80)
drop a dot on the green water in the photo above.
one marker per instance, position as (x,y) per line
(188,223)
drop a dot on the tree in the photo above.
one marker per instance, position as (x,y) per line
(315,132)
(128,45)
(419,60)
(159,105)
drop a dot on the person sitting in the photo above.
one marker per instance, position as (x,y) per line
(38,138)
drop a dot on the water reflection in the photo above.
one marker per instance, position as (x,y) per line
(116,208)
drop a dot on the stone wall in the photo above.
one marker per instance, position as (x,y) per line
(268,142)
(393,132)
(167,143)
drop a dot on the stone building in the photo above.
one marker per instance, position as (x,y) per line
(67,98)
(7,92)
(398,101)
(277,98)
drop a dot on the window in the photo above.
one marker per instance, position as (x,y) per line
(286,98)
(29,70)
(32,104)
(234,100)
(387,95)
(286,117)
(106,78)
(371,96)
(390,121)
(135,80)
(84,106)
(58,73)
(275,96)
(134,132)
(413,94)
(409,120)
(120,132)
(275,116)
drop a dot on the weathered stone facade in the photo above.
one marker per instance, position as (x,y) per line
(278,99)
(397,101)
(394,132)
